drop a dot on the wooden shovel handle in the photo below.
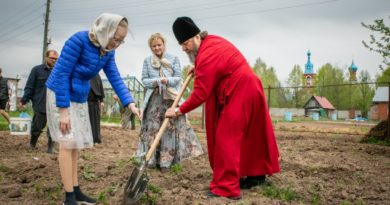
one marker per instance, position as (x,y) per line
(166,120)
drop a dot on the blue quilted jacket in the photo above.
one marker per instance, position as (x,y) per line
(80,61)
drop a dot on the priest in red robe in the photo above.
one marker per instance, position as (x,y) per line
(241,142)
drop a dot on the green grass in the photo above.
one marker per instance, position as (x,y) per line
(111,190)
(135,161)
(285,194)
(374,140)
(149,199)
(56,193)
(112,119)
(5,169)
(176,168)
(86,156)
(102,198)
(152,196)
(122,163)
(154,189)
(103,195)
(315,198)
(88,174)
(360,202)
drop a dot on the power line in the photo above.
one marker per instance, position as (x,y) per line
(26,32)
(111,6)
(256,11)
(237,13)
(203,7)
(11,31)
(20,17)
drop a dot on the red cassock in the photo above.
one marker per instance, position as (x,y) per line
(240,136)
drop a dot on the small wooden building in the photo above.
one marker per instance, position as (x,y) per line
(320,105)
(379,107)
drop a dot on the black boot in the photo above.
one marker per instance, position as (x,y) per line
(70,198)
(50,148)
(252,181)
(33,142)
(82,198)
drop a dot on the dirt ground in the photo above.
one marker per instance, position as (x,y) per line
(322,163)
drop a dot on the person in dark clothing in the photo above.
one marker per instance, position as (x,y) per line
(127,117)
(35,91)
(95,104)
(4,97)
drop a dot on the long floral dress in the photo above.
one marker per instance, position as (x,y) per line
(178,142)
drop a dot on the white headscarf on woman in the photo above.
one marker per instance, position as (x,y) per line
(104,28)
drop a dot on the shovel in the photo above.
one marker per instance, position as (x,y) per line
(138,180)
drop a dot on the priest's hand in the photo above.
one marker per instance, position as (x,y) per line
(172,112)
(191,70)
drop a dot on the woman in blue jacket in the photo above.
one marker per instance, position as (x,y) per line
(83,56)
(161,75)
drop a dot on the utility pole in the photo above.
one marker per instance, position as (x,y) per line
(45,39)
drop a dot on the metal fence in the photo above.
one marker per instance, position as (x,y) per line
(111,110)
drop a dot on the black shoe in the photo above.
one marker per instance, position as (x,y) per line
(211,194)
(33,147)
(50,149)
(82,198)
(70,199)
(249,182)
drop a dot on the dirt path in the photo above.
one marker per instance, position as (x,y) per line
(318,167)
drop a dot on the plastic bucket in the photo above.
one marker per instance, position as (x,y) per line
(20,126)
(315,116)
(334,116)
(288,116)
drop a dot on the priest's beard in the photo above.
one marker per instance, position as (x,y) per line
(192,56)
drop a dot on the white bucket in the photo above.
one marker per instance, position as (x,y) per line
(334,116)
(20,126)
(288,116)
(315,116)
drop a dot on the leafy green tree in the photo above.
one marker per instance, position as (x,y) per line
(337,95)
(269,78)
(296,79)
(380,45)
(366,93)
(384,77)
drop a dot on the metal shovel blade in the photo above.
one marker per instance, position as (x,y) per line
(135,186)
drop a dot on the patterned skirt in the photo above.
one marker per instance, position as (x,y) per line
(178,142)
(80,135)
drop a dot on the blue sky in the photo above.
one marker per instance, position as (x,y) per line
(279,31)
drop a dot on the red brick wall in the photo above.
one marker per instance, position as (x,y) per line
(382,111)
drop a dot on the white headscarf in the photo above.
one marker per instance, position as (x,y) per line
(103,29)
